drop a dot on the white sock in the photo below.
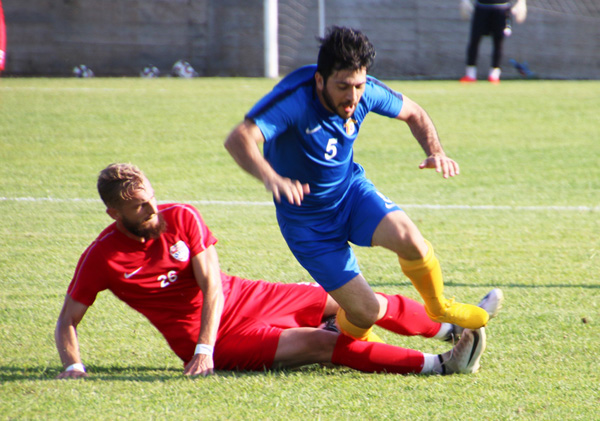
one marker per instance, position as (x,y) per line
(428,363)
(471,72)
(495,72)
(431,364)
(444,331)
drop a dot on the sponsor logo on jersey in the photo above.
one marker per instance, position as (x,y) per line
(350,126)
(130,274)
(312,131)
(180,251)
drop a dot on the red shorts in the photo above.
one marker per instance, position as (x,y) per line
(255,314)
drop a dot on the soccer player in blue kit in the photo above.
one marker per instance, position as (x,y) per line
(308,124)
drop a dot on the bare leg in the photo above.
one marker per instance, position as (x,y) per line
(331,307)
(399,234)
(304,345)
(363,308)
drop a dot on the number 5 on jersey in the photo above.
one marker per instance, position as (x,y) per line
(331,150)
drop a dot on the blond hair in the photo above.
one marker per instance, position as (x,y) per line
(119,182)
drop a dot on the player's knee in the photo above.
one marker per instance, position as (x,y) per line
(400,235)
(364,316)
(414,248)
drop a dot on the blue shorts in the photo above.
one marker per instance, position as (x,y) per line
(322,247)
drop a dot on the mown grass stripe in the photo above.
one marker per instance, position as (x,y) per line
(581,208)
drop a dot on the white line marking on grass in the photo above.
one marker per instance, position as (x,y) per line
(60,89)
(251,203)
(225,202)
(45,199)
(508,207)
(74,89)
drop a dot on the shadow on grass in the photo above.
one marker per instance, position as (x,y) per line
(374,284)
(144,374)
(13,373)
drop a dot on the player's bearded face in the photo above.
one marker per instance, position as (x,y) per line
(139,215)
(342,91)
(150,228)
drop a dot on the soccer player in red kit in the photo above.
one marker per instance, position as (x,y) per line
(161,260)
(2,39)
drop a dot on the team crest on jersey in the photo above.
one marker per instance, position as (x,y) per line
(180,251)
(350,126)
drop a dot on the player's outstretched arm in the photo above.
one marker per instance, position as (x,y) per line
(207,272)
(424,131)
(242,144)
(65,336)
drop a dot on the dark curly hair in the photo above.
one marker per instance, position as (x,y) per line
(344,49)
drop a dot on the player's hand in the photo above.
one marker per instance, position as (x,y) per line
(292,190)
(73,374)
(442,164)
(200,365)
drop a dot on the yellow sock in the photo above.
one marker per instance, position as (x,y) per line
(426,276)
(350,329)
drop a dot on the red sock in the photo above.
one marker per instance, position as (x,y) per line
(407,317)
(375,357)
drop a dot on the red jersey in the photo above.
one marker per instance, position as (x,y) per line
(155,278)
(2,39)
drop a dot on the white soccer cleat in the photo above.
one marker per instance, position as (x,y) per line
(465,356)
(491,303)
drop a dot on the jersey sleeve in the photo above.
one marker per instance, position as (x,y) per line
(383,100)
(89,278)
(272,115)
(277,111)
(197,232)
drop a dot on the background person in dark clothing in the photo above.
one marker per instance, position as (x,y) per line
(490,17)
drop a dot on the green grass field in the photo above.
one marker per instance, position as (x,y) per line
(524,215)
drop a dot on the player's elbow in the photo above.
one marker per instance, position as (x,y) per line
(246,133)
(234,141)
(229,141)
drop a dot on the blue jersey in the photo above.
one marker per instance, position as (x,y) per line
(306,142)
